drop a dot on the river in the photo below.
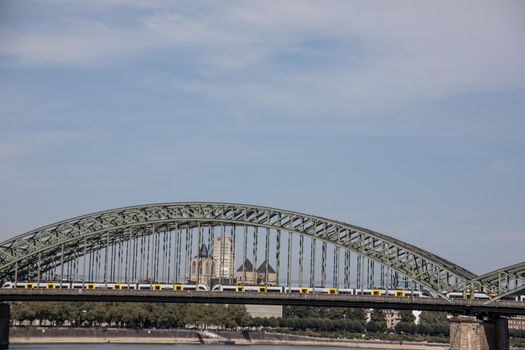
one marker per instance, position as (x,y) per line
(164,347)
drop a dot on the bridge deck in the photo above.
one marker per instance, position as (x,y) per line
(458,306)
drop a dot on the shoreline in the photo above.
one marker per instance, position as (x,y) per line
(65,335)
(368,344)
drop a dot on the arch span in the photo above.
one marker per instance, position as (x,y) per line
(64,240)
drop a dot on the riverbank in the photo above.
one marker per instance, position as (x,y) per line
(45,335)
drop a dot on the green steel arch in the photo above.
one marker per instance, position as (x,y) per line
(63,240)
(503,282)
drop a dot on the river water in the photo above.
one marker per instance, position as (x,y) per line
(165,347)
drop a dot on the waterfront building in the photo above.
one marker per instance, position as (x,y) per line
(392,318)
(517,322)
(265,311)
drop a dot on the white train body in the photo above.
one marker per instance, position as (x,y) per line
(396,293)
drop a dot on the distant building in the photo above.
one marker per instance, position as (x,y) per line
(392,317)
(266,274)
(223,258)
(517,322)
(265,311)
(245,273)
(201,267)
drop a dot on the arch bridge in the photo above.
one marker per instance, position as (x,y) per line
(225,243)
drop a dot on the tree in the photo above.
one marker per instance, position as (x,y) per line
(273,322)
(290,323)
(407,316)
(405,327)
(377,321)
(432,317)
(356,314)
(374,326)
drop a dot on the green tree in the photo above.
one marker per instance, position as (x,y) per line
(405,327)
(407,316)
(356,314)
(431,317)
(377,321)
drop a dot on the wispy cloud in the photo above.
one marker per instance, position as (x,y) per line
(386,51)
(24,144)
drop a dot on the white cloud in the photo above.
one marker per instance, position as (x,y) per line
(28,143)
(392,52)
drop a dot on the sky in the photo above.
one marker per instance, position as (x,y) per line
(403,117)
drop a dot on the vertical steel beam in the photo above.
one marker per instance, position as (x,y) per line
(176,254)
(199,243)
(335,281)
(371,274)
(313,244)
(135,259)
(301,259)
(39,266)
(148,248)
(112,262)
(164,262)
(210,245)
(169,250)
(179,253)
(128,243)
(76,266)
(255,251)
(233,250)
(84,264)
(189,249)
(61,264)
(142,254)
(106,260)
(278,257)
(221,255)
(358,272)
(289,266)
(90,267)
(16,272)
(244,253)
(266,256)
(323,265)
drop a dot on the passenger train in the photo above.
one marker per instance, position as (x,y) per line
(397,293)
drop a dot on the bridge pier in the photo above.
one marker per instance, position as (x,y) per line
(476,333)
(4,325)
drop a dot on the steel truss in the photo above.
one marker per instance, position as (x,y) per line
(64,241)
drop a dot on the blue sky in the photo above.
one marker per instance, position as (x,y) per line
(403,117)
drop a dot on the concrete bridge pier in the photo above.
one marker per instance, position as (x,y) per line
(479,333)
(4,325)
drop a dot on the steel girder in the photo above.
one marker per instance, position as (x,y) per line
(502,282)
(85,233)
